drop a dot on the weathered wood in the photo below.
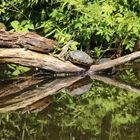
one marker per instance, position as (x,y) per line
(65,49)
(112,63)
(33,59)
(9,39)
(49,62)
(28,40)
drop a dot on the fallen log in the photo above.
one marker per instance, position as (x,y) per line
(14,52)
(112,63)
(49,62)
(28,40)
(33,59)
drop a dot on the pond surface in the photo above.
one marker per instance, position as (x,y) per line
(100,107)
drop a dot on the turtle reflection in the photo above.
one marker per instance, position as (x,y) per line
(79,87)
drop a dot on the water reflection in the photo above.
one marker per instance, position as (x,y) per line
(99,107)
(80,87)
(22,93)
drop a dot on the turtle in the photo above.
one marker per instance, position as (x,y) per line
(40,46)
(102,60)
(34,42)
(79,57)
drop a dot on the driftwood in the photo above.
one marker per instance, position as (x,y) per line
(26,40)
(16,53)
(32,94)
(113,63)
(33,59)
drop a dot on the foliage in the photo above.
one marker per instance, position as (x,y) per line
(95,25)
(17,70)
(15,125)
(130,76)
(100,26)
(12,70)
(24,26)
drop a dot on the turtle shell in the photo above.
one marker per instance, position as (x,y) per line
(109,71)
(35,42)
(40,46)
(79,57)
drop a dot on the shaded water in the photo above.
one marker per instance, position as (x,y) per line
(72,108)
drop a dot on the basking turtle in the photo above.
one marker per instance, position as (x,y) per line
(102,60)
(36,43)
(40,46)
(79,57)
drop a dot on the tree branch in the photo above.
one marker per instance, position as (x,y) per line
(112,63)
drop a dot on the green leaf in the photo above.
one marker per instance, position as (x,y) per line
(15,24)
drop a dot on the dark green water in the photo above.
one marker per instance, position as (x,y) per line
(109,109)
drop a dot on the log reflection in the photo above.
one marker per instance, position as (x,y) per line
(23,93)
(31,94)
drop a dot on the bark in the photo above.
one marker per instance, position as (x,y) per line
(33,59)
(49,62)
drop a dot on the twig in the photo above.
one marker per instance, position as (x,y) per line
(65,49)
